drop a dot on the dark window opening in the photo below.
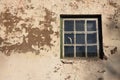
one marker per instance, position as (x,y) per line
(81,36)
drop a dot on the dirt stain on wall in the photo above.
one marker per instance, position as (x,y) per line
(73,5)
(80,1)
(114,50)
(1,40)
(113,4)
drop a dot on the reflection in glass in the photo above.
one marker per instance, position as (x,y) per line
(69,39)
(69,25)
(80,51)
(92,51)
(91,25)
(91,38)
(68,51)
(80,25)
(80,38)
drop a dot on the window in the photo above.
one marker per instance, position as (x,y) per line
(81,36)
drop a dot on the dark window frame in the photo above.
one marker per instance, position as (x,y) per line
(98,16)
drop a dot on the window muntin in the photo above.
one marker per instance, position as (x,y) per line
(82,39)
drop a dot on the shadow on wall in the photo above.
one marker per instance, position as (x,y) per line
(113,62)
(113,68)
(114,21)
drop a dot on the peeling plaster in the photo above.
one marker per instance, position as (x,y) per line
(8,20)
(34,37)
(73,5)
(34,28)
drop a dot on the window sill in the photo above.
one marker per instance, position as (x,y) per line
(72,60)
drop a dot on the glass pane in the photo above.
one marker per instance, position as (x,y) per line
(80,51)
(69,25)
(91,38)
(80,38)
(69,39)
(91,25)
(92,51)
(80,25)
(68,51)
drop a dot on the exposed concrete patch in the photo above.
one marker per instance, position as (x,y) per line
(9,20)
(34,36)
(48,18)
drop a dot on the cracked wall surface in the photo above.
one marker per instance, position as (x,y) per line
(30,40)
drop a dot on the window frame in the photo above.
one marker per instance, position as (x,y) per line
(98,32)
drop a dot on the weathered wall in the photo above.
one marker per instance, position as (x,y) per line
(30,40)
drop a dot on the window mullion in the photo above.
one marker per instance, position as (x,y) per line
(85,38)
(97,38)
(74,39)
(63,39)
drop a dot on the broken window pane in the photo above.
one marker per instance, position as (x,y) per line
(69,25)
(69,51)
(91,25)
(80,25)
(80,51)
(80,38)
(92,51)
(91,38)
(69,39)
